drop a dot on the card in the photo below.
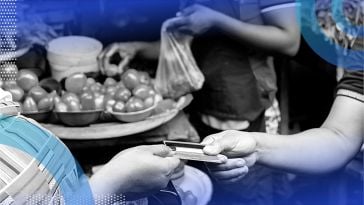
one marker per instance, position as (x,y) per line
(193,151)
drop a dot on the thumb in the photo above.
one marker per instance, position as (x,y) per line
(213,149)
(218,143)
(172,163)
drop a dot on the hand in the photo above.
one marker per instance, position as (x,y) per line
(232,144)
(136,172)
(127,52)
(195,19)
(230,172)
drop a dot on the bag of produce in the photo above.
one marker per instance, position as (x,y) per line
(177,73)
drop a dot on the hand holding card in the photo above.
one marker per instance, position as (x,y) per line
(193,151)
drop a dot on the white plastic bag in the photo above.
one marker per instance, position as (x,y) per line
(177,73)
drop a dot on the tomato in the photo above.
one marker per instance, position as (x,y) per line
(95,87)
(56,99)
(142,91)
(90,81)
(50,84)
(120,85)
(110,82)
(86,89)
(8,84)
(122,94)
(37,93)
(149,102)
(111,90)
(16,92)
(68,97)
(144,78)
(29,105)
(134,104)
(46,104)
(109,104)
(130,78)
(60,107)
(27,79)
(75,83)
(119,107)
(99,102)
(87,101)
(164,105)
(112,70)
(103,90)
(73,106)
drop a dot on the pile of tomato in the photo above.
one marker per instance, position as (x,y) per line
(134,92)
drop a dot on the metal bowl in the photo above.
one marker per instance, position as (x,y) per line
(41,116)
(79,119)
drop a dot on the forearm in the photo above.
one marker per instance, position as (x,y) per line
(148,50)
(314,151)
(265,37)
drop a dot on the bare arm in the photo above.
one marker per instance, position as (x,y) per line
(317,150)
(314,151)
(149,50)
(280,33)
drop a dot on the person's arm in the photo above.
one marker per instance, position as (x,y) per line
(148,50)
(280,34)
(127,51)
(317,150)
(314,151)
(135,173)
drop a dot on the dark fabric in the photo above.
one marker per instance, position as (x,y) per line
(239,80)
(353,81)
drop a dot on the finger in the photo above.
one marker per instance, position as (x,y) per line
(189,10)
(171,165)
(210,139)
(177,22)
(107,53)
(230,164)
(100,65)
(112,50)
(158,150)
(220,144)
(186,29)
(230,174)
(125,62)
(251,159)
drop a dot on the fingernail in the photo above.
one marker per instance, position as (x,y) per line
(210,149)
(208,141)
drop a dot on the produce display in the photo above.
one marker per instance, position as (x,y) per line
(134,93)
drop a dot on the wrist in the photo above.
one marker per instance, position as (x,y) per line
(258,150)
(109,181)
